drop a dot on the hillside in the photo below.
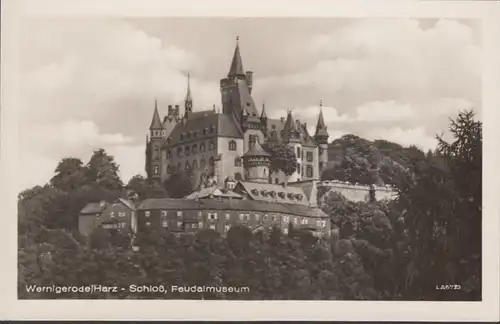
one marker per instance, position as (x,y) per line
(350,157)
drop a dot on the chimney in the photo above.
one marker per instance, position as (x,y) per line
(249,79)
(170,110)
(282,120)
(177,113)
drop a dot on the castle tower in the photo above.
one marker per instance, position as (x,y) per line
(291,136)
(153,147)
(188,102)
(256,162)
(263,119)
(321,138)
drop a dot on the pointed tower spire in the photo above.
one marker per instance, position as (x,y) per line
(321,121)
(263,114)
(236,68)
(156,122)
(321,134)
(290,131)
(188,102)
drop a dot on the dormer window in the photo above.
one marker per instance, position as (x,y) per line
(194,149)
(237,162)
(290,195)
(273,194)
(281,194)
(263,192)
(205,131)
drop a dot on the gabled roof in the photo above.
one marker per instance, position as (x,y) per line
(236,64)
(94,208)
(320,126)
(276,126)
(290,130)
(127,203)
(213,192)
(156,121)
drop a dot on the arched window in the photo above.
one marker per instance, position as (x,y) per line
(237,176)
(273,134)
(211,160)
(157,170)
(186,166)
(194,149)
(211,146)
(179,151)
(169,153)
(232,145)
(202,163)
(194,165)
(178,167)
(237,162)
(298,152)
(202,147)
(186,150)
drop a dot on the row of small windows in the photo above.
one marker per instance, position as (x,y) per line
(242,217)
(194,134)
(190,166)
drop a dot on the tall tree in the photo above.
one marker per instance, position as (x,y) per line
(145,188)
(70,174)
(283,158)
(443,203)
(103,171)
(179,184)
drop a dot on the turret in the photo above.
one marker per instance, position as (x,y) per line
(153,147)
(156,127)
(263,119)
(256,162)
(321,138)
(291,136)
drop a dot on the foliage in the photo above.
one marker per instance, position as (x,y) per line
(283,157)
(353,156)
(443,202)
(146,188)
(180,184)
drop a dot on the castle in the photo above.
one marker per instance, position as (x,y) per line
(228,144)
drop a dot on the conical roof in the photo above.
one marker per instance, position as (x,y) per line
(290,130)
(156,122)
(263,114)
(188,93)
(256,150)
(321,126)
(236,64)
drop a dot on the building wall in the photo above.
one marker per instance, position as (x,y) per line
(313,164)
(190,221)
(116,216)
(175,160)
(249,132)
(86,223)
(227,163)
(323,158)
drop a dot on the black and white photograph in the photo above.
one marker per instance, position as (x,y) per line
(250,158)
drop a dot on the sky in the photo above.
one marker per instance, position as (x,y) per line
(88,83)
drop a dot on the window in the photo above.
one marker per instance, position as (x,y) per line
(179,151)
(286,219)
(257,217)
(320,151)
(228,216)
(274,218)
(112,214)
(276,181)
(265,217)
(298,168)
(169,153)
(121,214)
(212,216)
(157,170)
(200,214)
(237,162)
(148,223)
(179,213)
(247,217)
(163,213)
(212,227)
(202,163)
(295,220)
(195,165)
(186,150)
(252,139)
(241,216)
(205,130)
(179,166)
(211,146)
(186,166)
(298,152)
(285,230)
(164,223)
(194,225)
(202,147)
(320,166)
(304,221)
(309,171)
(179,224)
(212,160)
(194,149)
(238,176)
(147,213)
(232,145)
(309,156)
(200,224)
(226,228)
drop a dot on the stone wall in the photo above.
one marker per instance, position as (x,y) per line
(357,192)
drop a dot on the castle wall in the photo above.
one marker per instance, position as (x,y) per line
(228,158)
(357,192)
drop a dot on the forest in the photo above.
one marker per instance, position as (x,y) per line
(379,250)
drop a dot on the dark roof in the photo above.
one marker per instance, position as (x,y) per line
(277,126)
(188,93)
(256,150)
(214,192)
(263,113)
(320,126)
(156,121)
(235,204)
(94,208)
(206,124)
(236,64)
(127,203)
(274,193)
(242,101)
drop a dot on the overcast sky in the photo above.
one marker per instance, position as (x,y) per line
(90,83)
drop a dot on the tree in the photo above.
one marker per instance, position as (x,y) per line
(283,158)
(145,188)
(443,205)
(70,174)
(179,184)
(103,171)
